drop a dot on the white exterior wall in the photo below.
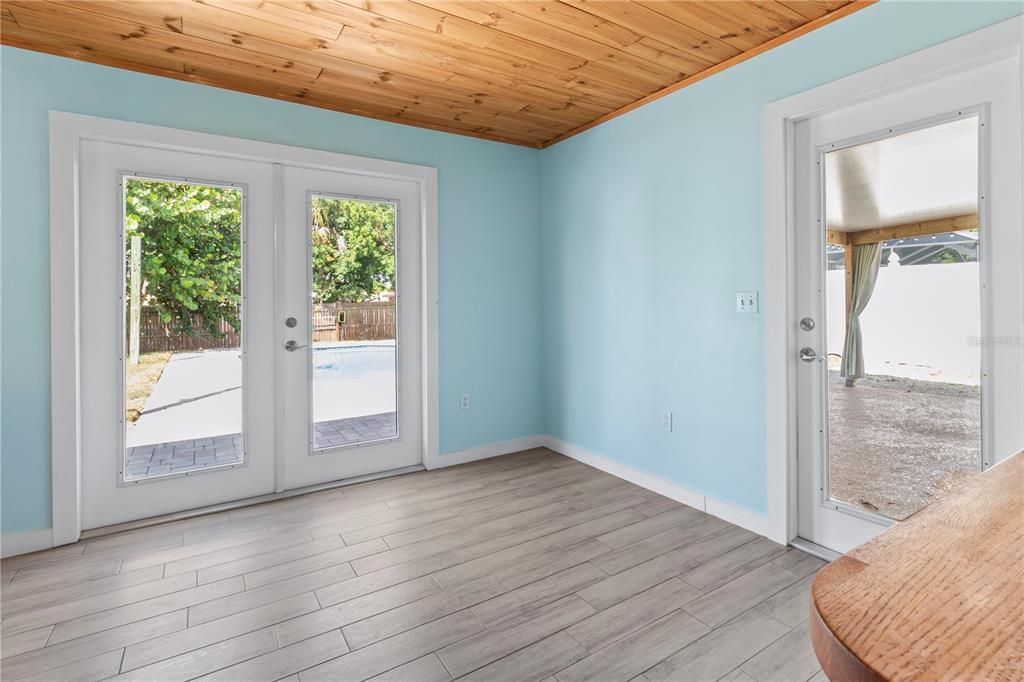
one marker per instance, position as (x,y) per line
(920,315)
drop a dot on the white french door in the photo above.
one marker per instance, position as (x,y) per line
(247,328)
(352,359)
(163,431)
(845,497)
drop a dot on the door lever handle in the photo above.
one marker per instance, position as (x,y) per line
(292,346)
(807,354)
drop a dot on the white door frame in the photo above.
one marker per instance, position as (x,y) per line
(67,131)
(988,45)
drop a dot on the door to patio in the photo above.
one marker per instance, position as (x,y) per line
(246,328)
(177,326)
(351,371)
(908,276)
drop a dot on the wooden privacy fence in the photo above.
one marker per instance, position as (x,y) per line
(369,321)
(155,335)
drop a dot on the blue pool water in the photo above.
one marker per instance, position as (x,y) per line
(352,361)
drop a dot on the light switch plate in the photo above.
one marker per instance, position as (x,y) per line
(746,302)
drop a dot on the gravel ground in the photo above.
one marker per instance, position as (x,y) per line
(896,443)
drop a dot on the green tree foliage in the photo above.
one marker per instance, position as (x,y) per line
(353,249)
(191,251)
(191,246)
(966,254)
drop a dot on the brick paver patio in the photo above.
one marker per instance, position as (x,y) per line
(200,453)
(338,432)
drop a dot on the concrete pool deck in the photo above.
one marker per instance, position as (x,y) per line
(198,395)
(193,417)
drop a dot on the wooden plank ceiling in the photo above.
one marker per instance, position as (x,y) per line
(530,72)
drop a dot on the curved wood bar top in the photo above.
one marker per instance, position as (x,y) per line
(937,597)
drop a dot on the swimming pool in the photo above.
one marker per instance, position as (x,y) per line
(353,379)
(339,362)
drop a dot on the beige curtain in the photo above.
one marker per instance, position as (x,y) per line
(866,260)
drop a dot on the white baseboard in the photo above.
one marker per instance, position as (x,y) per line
(13,544)
(743,518)
(627,473)
(505,447)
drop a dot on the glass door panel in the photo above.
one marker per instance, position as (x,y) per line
(354,321)
(182,327)
(901,261)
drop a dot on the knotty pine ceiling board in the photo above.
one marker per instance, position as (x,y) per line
(528,72)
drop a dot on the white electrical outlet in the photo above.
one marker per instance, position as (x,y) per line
(746,302)
(464,401)
(666,421)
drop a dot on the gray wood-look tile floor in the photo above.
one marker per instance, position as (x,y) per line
(526,567)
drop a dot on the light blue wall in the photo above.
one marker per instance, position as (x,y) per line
(652,222)
(488,240)
(644,230)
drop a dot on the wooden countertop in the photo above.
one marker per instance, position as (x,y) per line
(937,597)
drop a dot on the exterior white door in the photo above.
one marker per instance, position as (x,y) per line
(352,356)
(840,519)
(177,404)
